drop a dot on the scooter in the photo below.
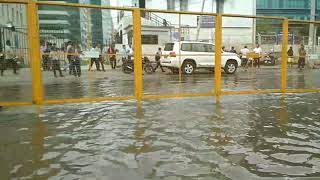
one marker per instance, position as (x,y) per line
(269,59)
(128,65)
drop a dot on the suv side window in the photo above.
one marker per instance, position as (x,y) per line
(198,47)
(186,47)
(209,48)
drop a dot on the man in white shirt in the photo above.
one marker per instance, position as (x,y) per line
(258,51)
(95,60)
(243,52)
(9,58)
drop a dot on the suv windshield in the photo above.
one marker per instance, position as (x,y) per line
(168,47)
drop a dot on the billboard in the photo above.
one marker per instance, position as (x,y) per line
(206,21)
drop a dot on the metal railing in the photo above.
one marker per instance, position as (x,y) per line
(35,56)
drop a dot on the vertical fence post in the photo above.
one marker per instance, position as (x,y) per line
(218,47)
(284,56)
(137,54)
(34,52)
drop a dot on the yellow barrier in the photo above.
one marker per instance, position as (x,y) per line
(34,55)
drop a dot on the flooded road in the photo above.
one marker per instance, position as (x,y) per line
(242,137)
(116,83)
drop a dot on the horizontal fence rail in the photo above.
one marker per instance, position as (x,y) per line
(35,55)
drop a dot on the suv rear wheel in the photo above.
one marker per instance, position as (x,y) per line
(230,67)
(188,67)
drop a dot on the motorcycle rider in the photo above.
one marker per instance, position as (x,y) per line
(124,53)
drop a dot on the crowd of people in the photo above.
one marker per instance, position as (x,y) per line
(69,57)
(244,52)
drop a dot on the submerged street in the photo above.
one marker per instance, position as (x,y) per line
(242,137)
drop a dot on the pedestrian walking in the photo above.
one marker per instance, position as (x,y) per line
(71,58)
(96,59)
(258,52)
(112,57)
(46,57)
(55,59)
(302,57)
(290,56)
(9,58)
(104,53)
(77,61)
(244,58)
(157,58)
(69,55)
(101,59)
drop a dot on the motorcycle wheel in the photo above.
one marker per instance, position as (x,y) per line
(148,69)
(126,70)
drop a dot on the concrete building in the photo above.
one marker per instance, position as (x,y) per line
(159,28)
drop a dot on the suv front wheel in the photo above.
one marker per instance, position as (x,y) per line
(188,67)
(230,67)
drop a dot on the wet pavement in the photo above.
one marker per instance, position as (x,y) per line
(116,83)
(242,137)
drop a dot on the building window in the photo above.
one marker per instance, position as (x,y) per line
(149,39)
(171,4)
(183,5)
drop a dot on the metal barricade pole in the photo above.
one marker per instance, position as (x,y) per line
(34,52)
(218,53)
(137,54)
(284,56)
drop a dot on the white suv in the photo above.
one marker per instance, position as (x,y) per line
(196,55)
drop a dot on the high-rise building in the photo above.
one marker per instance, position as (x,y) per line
(59,24)
(96,25)
(96,21)
(292,9)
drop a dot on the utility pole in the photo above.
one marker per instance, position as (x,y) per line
(312,36)
(220,6)
(200,19)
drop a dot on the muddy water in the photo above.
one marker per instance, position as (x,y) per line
(242,137)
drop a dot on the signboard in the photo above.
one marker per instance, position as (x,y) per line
(279,38)
(90,54)
(206,21)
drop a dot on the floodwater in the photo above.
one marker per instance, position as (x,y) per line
(241,137)
(116,83)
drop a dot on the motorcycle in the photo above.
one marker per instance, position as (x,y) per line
(269,59)
(128,65)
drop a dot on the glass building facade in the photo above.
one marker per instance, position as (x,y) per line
(292,9)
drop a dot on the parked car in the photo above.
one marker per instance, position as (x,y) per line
(196,55)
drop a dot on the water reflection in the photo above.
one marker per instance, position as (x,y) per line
(301,81)
(235,137)
(141,145)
